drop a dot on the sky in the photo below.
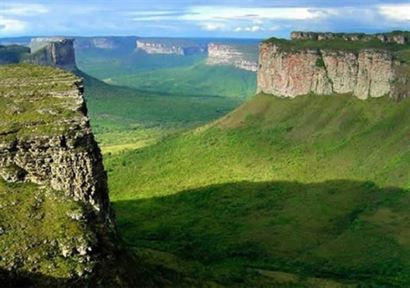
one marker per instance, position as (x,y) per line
(194,18)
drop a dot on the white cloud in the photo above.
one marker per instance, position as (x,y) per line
(254,28)
(225,13)
(8,25)
(23,9)
(396,12)
(213,26)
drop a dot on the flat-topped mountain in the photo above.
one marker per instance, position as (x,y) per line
(50,51)
(56,225)
(181,47)
(311,63)
(239,56)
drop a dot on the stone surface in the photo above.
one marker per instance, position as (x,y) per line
(163,46)
(289,73)
(54,51)
(57,226)
(222,54)
(69,160)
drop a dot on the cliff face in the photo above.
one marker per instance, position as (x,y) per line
(57,52)
(55,217)
(221,54)
(164,46)
(289,73)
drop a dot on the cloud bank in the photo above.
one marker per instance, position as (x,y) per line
(223,18)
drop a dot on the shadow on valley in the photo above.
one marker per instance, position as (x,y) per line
(29,280)
(345,230)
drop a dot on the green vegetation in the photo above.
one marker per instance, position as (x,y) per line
(20,85)
(400,51)
(199,79)
(257,198)
(125,118)
(34,226)
(106,63)
(13,54)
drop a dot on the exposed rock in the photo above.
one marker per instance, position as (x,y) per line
(176,47)
(54,51)
(55,218)
(222,54)
(289,73)
(106,43)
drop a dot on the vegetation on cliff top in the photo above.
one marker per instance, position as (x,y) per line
(34,100)
(400,51)
(260,192)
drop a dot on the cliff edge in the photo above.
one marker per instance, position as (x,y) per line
(365,69)
(56,225)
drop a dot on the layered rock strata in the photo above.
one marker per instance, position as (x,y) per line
(165,47)
(57,52)
(293,72)
(57,228)
(221,54)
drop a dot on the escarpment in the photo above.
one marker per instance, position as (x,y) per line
(239,57)
(57,52)
(56,225)
(291,69)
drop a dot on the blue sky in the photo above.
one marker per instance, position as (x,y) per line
(193,18)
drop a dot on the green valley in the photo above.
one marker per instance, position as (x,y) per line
(308,186)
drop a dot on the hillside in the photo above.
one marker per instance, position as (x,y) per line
(125,118)
(291,192)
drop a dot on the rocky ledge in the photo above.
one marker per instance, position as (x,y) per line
(56,225)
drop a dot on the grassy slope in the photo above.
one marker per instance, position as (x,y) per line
(292,213)
(126,118)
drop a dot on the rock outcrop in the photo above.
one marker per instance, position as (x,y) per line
(55,216)
(56,52)
(176,47)
(292,72)
(397,37)
(106,43)
(222,54)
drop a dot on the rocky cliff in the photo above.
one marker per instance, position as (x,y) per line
(106,43)
(222,54)
(57,52)
(291,71)
(180,47)
(56,225)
